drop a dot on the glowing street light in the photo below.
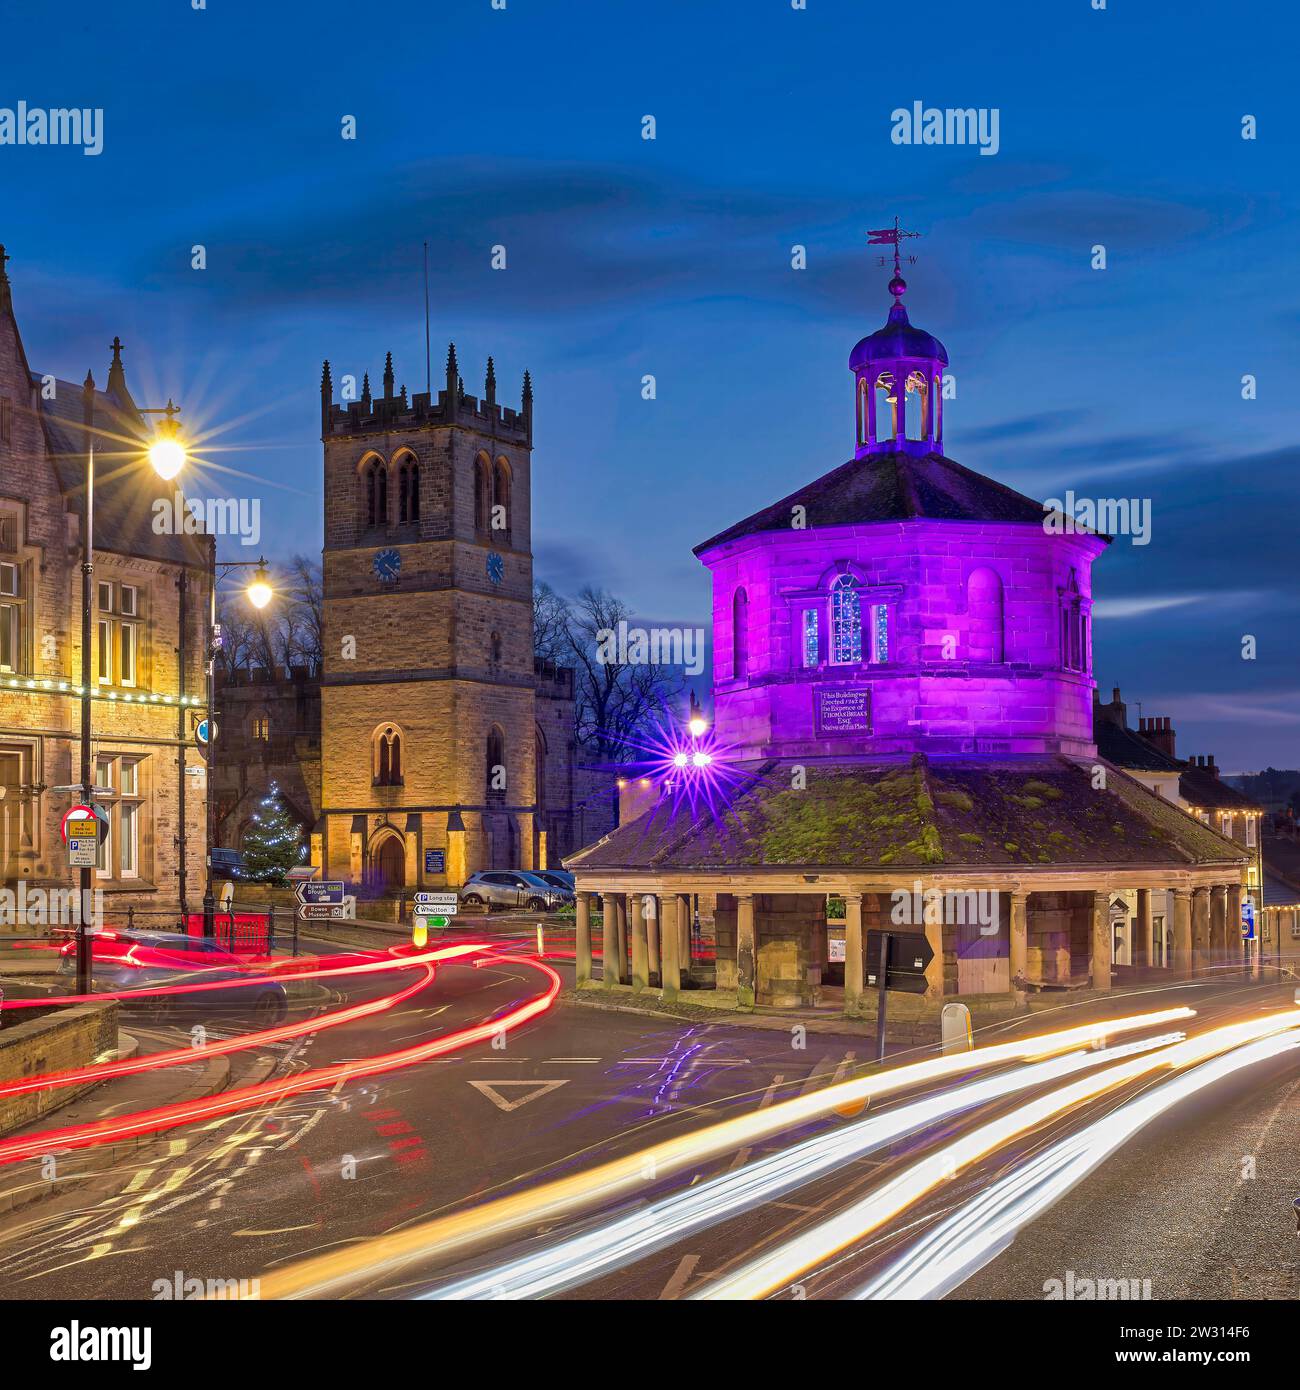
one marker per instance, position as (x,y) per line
(167,453)
(259,591)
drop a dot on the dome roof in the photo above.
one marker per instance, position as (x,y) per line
(897,339)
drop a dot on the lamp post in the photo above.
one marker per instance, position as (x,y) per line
(259,593)
(166,454)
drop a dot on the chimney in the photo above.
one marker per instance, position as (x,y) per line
(1114,713)
(1157,732)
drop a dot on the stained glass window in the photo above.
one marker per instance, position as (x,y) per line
(846,621)
(879,632)
(811,649)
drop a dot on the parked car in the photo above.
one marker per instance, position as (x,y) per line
(128,960)
(509,888)
(561,881)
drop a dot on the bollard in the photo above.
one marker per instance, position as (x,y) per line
(955,1029)
(541,940)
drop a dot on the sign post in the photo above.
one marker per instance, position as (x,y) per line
(901,962)
(435,909)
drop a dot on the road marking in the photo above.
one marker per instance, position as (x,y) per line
(743,1156)
(492,1090)
(559,1061)
(678,1279)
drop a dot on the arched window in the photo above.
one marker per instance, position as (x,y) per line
(739,635)
(494,648)
(1074,627)
(259,726)
(501,495)
(387,756)
(846,621)
(540,769)
(984,609)
(376,494)
(482,494)
(494,781)
(408,491)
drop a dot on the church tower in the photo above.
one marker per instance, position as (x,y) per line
(427,689)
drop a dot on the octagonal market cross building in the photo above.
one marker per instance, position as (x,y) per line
(903,697)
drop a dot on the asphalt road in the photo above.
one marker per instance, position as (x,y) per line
(242,1196)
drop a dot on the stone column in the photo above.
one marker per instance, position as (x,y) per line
(1200,930)
(684,916)
(669,939)
(1019,938)
(640,946)
(1140,950)
(934,935)
(652,936)
(582,946)
(746,952)
(609,940)
(1233,924)
(1101,941)
(620,918)
(1219,924)
(1182,962)
(853,974)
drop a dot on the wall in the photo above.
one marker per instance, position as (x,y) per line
(58,1041)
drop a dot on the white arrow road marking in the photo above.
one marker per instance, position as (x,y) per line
(492,1090)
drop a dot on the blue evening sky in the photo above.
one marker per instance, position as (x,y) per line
(522,127)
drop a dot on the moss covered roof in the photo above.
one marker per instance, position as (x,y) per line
(917,815)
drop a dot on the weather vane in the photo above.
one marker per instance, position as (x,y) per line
(892,236)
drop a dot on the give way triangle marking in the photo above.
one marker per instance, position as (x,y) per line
(492,1090)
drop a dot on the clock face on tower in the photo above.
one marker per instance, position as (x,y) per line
(388,565)
(496,567)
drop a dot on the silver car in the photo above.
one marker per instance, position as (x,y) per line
(508,888)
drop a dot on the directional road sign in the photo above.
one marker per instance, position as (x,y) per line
(327,891)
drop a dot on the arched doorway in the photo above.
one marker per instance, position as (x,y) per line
(389,865)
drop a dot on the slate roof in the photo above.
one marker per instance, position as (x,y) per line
(1207,792)
(1127,749)
(1281,857)
(925,814)
(1279,893)
(125,490)
(892,487)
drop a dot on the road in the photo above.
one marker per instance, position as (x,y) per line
(1198,1201)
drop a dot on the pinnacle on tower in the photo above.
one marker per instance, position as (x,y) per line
(6,302)
(326,396)
(490,387)
(528,390)
(365,390)
(451,365)
(388,377)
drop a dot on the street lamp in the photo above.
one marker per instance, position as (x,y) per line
(166,452)
(259,592)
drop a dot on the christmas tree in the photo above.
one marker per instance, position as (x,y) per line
(272,843)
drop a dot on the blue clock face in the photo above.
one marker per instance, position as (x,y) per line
(388,565)
(496,567)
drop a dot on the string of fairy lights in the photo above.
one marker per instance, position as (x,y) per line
(49,686)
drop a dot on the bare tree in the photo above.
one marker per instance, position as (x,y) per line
(303,613)
(618,702)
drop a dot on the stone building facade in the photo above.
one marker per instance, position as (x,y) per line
(151,598)
(903,698)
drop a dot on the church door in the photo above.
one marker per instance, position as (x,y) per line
(390,865)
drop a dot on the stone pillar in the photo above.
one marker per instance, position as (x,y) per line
(1200,930)
(684,916)
(609,940)
(652,936)
(582,946)
(1019,939)
(1140,949)
(1101,941)
(1182,898)
(853,973)
(620,933)
(934,935)
(640,946)
(1233,924)
(1219,924)
(670,907)
(746,952)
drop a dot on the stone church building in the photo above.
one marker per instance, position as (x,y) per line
(151,595)
(903,696)
(431,744)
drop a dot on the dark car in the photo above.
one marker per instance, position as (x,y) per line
(131,960)
(560,880)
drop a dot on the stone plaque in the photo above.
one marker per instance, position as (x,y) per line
(844,709)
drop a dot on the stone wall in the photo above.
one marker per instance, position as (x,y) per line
(58,1041)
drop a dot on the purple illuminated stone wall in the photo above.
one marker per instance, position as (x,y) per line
(977,658)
